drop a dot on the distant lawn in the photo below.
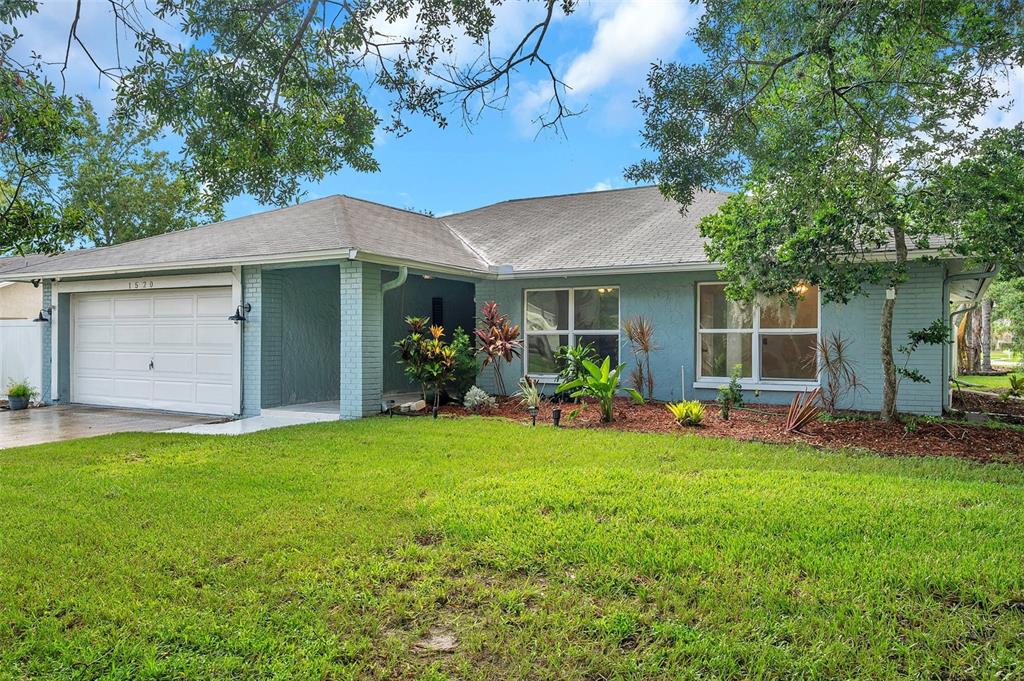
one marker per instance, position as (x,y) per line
(986,381)
(352,550)
(1006,357)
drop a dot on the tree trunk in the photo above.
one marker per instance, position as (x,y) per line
(986,335)
(890,384)
(888,363)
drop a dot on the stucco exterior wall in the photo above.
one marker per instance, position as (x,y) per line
(669,301)
(19,300)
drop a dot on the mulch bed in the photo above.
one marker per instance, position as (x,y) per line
(989,403)
(764,423)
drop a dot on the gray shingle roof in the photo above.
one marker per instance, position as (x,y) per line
(617,228)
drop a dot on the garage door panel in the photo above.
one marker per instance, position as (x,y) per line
(130,306)
(93,309)
(133,389)
(219,364)
(214,305)
(170,334)
(184,333)
(133,334)
(95,360)
(208,334)
(95,334)
(137,362)
(175,363)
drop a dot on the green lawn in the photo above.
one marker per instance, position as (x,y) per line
(986,381)
(1006,357)
(332,550)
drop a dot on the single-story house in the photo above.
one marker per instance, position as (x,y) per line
(18,299)
(303,304)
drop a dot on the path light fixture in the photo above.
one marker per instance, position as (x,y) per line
(533,414)
(42,317)
(556,416)
(240,313)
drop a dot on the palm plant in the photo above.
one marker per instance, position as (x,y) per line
(499,340)
(600,383)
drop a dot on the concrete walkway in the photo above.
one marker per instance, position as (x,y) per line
(72,421)
(276,417)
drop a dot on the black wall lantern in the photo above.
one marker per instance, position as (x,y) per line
(240,313)
(41,317)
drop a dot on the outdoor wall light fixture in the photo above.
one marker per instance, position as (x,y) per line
(240,313)
(42,317)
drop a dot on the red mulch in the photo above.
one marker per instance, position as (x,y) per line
(764,423)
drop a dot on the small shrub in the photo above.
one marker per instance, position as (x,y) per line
(499,340)
(730,396)
(1016,385)
(569,360)
(22,389)
(802,410)
(686,413)
(529,393)
(837,370)
(467,366)
(640,334)
(477,399)
(600,383)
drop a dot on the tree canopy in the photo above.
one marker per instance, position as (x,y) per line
(833,118)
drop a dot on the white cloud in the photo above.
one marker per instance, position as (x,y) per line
(1008,110)
(628,40)
(602,186)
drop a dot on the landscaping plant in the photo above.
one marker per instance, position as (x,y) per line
(499,340)
(687,412)
(427,359)
(20,393)
(640,334)
(477,399)
(1016,388)
(802,410)
(730,395)
(529,393)
(600,383)
(467,366)
(837,369)
(569,360)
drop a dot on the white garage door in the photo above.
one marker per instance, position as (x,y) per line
(172,349)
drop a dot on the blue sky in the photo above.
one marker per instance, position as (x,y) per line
(603,50)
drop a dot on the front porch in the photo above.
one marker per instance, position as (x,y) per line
(318,338)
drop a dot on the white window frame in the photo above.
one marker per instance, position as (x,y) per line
(755,381)
(571,331)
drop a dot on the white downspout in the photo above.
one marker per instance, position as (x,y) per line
(403,274)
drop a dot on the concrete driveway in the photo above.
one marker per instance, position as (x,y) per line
(69,421)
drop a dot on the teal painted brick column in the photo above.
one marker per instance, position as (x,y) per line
(362,351)
(252,293)
(45,392)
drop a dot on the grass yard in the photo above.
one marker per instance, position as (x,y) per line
(985,381)
(478,548)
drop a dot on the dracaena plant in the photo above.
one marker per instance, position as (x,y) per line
(499,341)
(600,383)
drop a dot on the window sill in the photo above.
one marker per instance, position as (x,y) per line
(772,386)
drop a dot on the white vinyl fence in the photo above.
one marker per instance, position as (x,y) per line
(20,352)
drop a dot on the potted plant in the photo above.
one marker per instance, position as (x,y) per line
(19,394)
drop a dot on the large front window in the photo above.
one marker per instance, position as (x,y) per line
(570,316)
(773,341)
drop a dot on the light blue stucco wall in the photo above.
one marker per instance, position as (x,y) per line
(414,299)
(669,301)
(300,358)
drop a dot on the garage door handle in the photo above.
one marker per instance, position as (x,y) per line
(150,365)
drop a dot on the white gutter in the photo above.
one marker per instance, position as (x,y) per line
(403,274)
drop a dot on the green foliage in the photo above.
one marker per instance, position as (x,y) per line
(1008,308)
(476,398)
(687,412)
(529,393)
(467,366)
(730,395)
(1016,388)
(569,360)
(600,383)
(427,359)
(22,389)
(127,190)
(936,333)
(834,119)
